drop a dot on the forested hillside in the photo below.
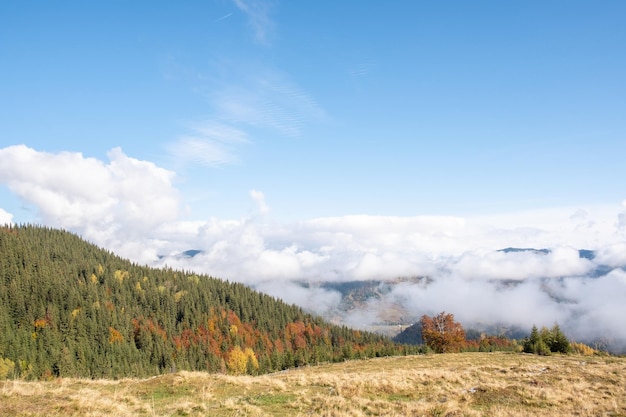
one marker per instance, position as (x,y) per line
(69,308)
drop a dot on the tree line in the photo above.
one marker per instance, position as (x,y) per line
(69,308)
(441,333)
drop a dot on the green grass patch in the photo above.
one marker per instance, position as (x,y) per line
(400,396)
(265,400)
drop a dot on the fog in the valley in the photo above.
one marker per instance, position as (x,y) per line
(132,208)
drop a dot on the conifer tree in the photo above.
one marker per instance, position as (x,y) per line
(68,308)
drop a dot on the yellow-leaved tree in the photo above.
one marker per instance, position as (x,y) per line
(7,366)
(242,361)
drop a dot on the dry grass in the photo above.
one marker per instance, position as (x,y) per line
(469,384)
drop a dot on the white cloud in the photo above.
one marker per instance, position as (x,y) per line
(591,227)
(467,277)
(131,207)
(613,255)
(481,302)
(313,299)
(498,265)
(599,306)
(124,199)
(5,217)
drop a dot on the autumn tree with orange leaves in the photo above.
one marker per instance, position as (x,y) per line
(442,334)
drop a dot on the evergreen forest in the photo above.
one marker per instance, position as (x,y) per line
(69,308)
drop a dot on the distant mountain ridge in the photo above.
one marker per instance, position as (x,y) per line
(390,318)
(599,271)
(533,250)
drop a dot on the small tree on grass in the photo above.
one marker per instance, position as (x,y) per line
(546,341)
(442,333)
(536,343)
(559,342)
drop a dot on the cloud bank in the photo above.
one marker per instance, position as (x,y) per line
(131,207)
(116,204)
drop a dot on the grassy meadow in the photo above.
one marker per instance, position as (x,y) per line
(465,384)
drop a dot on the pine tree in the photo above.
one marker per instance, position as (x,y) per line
(559,342)
(546,341)
(68,308)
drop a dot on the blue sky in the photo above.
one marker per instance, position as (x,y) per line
(327,140)
(339,108)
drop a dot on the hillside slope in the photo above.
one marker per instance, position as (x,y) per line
(69,308)
(467,384)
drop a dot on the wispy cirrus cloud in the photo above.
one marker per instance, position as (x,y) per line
(258,12)
(201,151)
(621,219)
(246,99)
(259,198)
(226,16)
(210,144)
(266,99)
(242,108)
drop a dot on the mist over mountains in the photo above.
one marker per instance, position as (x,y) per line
(574,277)
(69,308)
(506,290)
